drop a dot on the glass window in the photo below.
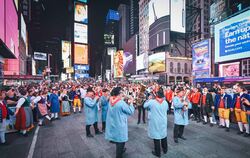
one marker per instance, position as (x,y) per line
(171,67)
(179,67)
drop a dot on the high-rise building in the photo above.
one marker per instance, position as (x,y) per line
(134,17)
(201,24)
(123,10)
(143,26)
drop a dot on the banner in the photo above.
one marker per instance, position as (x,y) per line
(40,56)
(201,53)
(157,62)
(81,54)
(118,64)
(229,69)
(81,33)
(66,53)
(232,38)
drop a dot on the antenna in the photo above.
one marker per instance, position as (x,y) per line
(153,5)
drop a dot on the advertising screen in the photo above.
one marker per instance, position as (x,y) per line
(40,56)
(109,39)
(158,9)
(201,53)
(157,62)
(111,50)
(81,54)
(230,69)
(128,62)
(66,52)
(81,13)
(118,64)
(81,71)
(23,29)
(178,16)
(141,62)
(84,1)
(81,33)
(232,38)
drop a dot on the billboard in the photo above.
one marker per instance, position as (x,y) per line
(118,64)
(178,16)
(66,53)
(84,1)
(141,62)
(40,56)
(157,62)
(81,33)
(229,69)
(158,9)
(232,38)
(81,13)
(218,11)
(81,71)
(23,30)
(81,54)
(201,53)
(109,39)
(128,62)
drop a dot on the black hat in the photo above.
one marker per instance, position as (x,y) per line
(90,90)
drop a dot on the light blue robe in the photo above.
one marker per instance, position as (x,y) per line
(54,101)
(157,119)
(117,121)
(180,116)
(104,105)
(90,110)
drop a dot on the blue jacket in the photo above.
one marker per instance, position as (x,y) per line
(180,115)
(104,105)
(246,96)
(227,101)
(157,118)
(54,101)
(90,110)
(117,121)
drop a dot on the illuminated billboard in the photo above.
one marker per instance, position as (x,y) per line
(81,33)
(158,9)
(81,54)
(232,38)
(66,53)
(118,64)
(229,69)
(178,16)
(81,13)
(141,62)
(201,53)
(157,62)
(40,56)
(23,30)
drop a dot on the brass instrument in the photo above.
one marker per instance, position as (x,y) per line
(143,88)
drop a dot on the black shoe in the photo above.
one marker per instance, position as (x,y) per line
(246,135)
(155,154)
(220,126)
(144,122)
(90,136)
(227,130)
(176,140)
(74,112)
(25,135)
(80,111)
(124,150)
(198,121)
(211,125)
(138,123)
(183,138)
(204,123)
(4,144)
(58,118)
(165,152)
(239,132)
(98,132)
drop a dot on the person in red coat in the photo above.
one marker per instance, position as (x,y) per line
(3,116)
(195,103)
(169,96)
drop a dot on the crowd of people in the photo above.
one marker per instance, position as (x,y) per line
(41,104)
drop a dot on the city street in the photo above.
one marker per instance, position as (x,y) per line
(66,138)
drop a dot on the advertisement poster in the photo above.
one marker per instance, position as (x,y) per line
(141,62)
(81,71)
(66,52)
(157,62)
(128,63)
(230,69)
(118,64)
(81,54)
(201,53)
(81,33)
(158,9)
(40,56)
(178,16)
(232,38)
(81,13)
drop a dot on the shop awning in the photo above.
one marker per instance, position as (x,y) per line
(5,52)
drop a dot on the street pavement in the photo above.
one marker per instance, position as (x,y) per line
(66,138)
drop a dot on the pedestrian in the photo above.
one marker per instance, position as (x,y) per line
(104,100)
(195,104)
(223,102)
(91,112)
(3,116)
(54,104)
(140,99)
(116,123)
(241,110)
(207,106)
(64,98)
(180,104)
(157,122)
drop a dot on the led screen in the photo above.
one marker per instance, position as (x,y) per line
(81,13)
(81,33)
(81,54)
(157,62)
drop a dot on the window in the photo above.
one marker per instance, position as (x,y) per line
(179,68)
(186,68)
(171,67)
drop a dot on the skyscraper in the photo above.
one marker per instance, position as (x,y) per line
(134,17)
(143,26)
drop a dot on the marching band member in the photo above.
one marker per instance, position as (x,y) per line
(207,106)
(223,102)
(157,122)
(195,103)
(169,96)
(240,109)
(91,112)
(116,123)
(180,104)
(104,100)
